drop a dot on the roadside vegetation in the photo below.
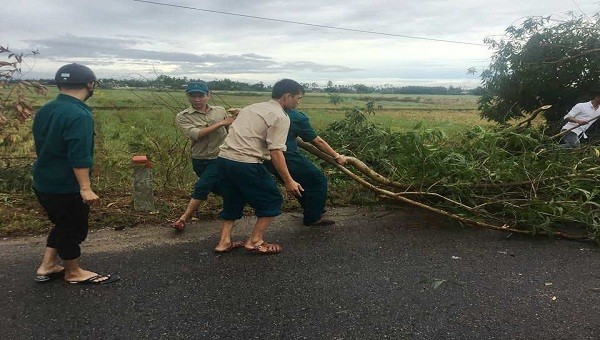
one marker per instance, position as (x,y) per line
(491,159)
(512,178)
(137,121)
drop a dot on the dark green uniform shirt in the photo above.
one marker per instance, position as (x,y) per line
(299,127)
(63,131)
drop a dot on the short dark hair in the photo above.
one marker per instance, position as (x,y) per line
(286,86)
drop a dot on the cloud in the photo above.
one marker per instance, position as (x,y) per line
(120,37)
(107,51)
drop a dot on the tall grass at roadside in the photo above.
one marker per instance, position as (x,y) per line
(148,128)
(134,121)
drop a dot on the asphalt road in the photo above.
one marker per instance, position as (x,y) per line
(396,273)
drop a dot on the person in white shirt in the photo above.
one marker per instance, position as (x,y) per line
(579,119)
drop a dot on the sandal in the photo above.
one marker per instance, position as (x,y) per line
(96,280)
(179,225)
(49,277)
(265,249)
(232,246)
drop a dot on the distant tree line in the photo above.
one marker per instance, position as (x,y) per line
(389,89)
(176,83)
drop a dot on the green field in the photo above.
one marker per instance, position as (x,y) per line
(401,112)
(133,121)
(141,121)
(136,121)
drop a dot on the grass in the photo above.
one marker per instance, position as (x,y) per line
(137,121)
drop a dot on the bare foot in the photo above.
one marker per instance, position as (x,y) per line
(264,248)
(82,275)
(178,225)
(98,279)
(226,247)
(49,270)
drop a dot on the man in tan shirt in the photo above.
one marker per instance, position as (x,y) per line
(206,126)
(259,133)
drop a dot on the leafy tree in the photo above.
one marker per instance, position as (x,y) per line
(544,61)
(173,83)
(361,88)
(258,86)
(330,87)
(411,89)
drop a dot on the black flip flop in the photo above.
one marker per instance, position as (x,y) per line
(92,280)
(49,277)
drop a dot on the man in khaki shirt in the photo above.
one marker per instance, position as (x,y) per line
(258,134)
(206,126)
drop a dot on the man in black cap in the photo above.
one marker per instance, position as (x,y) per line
(63,131)
(579,119)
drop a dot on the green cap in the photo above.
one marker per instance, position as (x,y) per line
(199,87)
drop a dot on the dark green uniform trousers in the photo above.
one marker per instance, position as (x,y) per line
(312,180)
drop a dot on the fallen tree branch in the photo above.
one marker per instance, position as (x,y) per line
(355,162)
(362,167)
(534,114)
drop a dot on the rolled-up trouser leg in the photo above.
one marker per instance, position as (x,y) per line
(69,215)
(314,183)
(208,178)
(570,140)
(250,183)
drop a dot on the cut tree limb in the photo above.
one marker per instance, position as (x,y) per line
(363,168)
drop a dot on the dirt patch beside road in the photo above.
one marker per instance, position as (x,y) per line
(139,236)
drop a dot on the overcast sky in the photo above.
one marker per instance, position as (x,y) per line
(127,38)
